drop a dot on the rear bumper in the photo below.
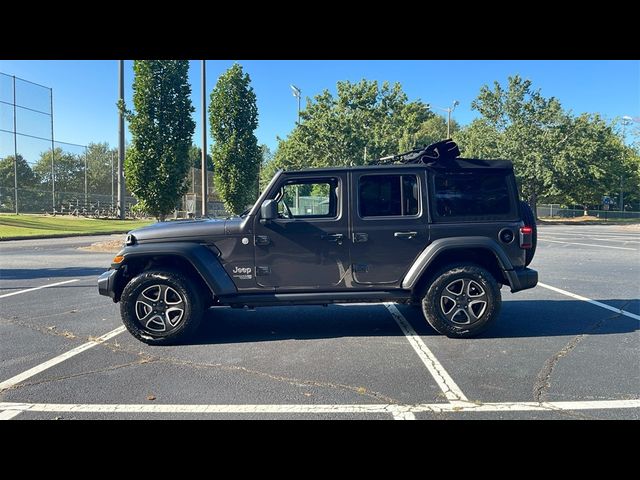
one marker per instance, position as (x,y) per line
(107,283)
(522,279)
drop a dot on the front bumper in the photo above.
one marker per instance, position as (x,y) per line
(107,284)
(522,279)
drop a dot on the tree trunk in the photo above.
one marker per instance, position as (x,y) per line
(533,203)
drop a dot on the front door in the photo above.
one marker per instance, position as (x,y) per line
(389,224)
(307,246)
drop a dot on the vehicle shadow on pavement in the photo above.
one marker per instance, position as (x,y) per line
(548,318)
(226,325)
(31,273)
(529,318)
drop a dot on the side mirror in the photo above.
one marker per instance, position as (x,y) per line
(269,210)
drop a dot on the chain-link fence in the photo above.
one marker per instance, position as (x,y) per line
(191,204)
(41,175)
(555,211)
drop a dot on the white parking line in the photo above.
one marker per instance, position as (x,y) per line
(437,371)
(59,359)
(38,288)
(570,239)
(9,414)
(588,300)
(396,410)
(588,244)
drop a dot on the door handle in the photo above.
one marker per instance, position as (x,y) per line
(360,237)
(333,238)
(407,235)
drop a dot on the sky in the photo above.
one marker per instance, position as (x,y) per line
(85,91)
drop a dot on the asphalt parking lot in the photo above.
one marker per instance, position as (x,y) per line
(569,348)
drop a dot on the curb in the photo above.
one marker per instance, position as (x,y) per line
(63,235)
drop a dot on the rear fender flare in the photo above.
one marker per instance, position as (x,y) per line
(434,249)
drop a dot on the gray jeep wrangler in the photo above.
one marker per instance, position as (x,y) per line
(427,228)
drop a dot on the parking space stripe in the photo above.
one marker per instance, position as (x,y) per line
(570,239)
(588,244)
(39,288)
(588,300)
(9,414)
(59,359)
(397,411)
(437,371)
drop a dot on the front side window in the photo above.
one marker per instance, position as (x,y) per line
(308,199)
(471,195)
(388,195)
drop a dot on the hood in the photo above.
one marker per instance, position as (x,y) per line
(180,230)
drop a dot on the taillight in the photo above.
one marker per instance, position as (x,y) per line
(526,237)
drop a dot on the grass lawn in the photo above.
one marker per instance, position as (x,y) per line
(34,226)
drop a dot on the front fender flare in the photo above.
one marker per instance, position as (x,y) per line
(202,258)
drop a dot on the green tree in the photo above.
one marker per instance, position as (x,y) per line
(432,130)
(479,139)
(529,129)
(99,158)
(363,122)
(588,162)
(26,180)
(68,170)
(266,158)
(26,177)
(157,163)
(195,156)
(233,116)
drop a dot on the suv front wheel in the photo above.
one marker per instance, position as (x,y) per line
(462,301)
(161,307)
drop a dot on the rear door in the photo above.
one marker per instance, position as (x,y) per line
(389,224)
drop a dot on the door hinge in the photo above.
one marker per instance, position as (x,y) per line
(262,271)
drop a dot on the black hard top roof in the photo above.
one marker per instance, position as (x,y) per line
(453,165)
(443,156)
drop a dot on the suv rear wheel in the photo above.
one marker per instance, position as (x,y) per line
(161,307)
(462,301)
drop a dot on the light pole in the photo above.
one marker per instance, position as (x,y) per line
(112,190)
(298,94)
(448,110)
(121,210)
(205,192)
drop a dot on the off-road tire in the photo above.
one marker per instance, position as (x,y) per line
(174,292)
(458,291)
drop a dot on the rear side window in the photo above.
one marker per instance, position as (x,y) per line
(388,195)
(474,195)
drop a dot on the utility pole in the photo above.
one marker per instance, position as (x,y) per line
(205,192)
(85,177)
(15,149)
(121,143)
